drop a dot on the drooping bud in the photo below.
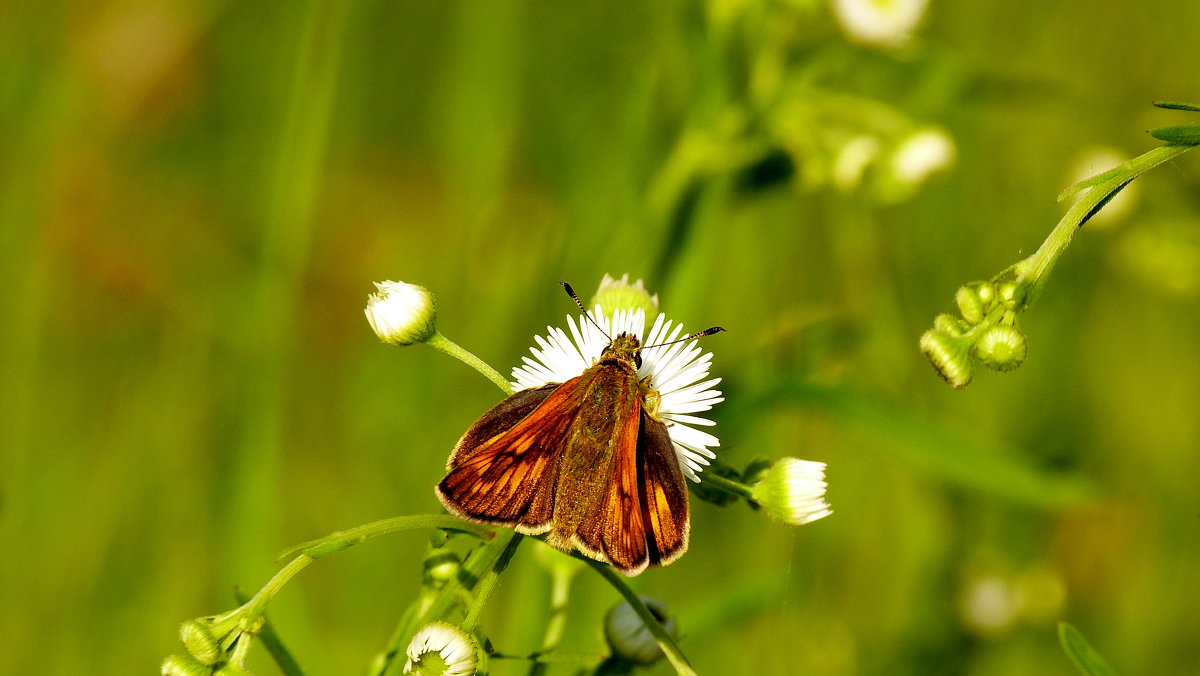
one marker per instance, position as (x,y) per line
(183,665)
(200,642)
(628,636)
(969,304)
(949,355)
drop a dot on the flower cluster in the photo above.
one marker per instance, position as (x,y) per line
(987,330)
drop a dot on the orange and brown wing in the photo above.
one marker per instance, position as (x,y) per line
(664,494)
(642,519)
(504,469)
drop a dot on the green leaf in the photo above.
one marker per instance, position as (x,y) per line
(947,451)
(1184,134)
(1081,652)
(1176,105)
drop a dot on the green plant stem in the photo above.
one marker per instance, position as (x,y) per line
(255,607)
(499,552)
(560,593)
(728,485)
(664,640)
(444,344)
(352,536)
(1033,272)
(283,657)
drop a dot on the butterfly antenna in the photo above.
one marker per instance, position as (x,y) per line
(698,334)
(571,293)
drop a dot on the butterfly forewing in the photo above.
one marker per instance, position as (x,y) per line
(500,471)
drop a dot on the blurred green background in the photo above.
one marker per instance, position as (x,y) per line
(196,196)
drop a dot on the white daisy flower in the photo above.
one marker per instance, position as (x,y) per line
(678,372)
(441,649)
(793,491)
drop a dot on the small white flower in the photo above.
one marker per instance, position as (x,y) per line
(441,649)
(882,23)
(401,314)
(678,372)
(793,491)
(922,154)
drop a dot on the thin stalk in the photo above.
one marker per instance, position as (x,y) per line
(664,640)
(444,344)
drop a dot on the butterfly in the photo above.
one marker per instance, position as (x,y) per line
(586,462)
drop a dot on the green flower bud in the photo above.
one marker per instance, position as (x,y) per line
(1001,348)
(441,649)
(1008,294)
(987,292)
(441,566)
(949,325)
(949,355)
(231,669)
(969,304)
(628,636)
(180,665)
(619,294)
(200,642)
(402,314)
(793,491)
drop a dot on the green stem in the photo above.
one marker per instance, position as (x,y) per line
(283,657)
(728,485)
(664,640)
(258,603)
(560,593)
(352,536)
(499,552)
(444,344)
(1033,272)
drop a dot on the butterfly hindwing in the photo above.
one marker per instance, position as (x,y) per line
(664,496)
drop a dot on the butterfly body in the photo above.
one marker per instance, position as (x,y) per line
(586,463)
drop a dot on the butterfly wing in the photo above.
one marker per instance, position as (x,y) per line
(504,469)
(642,518)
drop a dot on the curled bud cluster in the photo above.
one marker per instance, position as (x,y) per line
(216,645)
(986,330)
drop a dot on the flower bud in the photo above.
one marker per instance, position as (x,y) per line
(949,325)
(1002,348)
(619,294)
(969,304)
(1008,294)
(987,293)
(949,356)
(441,649)
(793,491)
(200,642)
(181,665)
(402,314)
(628,636)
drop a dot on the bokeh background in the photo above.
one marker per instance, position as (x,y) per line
(196,196)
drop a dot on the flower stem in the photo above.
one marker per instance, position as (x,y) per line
(728,485)
(444,344)
(560,592)
(352,536)
(664,640)
(498,553)
(1033,272)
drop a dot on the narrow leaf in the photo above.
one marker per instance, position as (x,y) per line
(1176,105)
(1185,134)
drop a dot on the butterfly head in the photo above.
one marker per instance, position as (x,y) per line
(624,348)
